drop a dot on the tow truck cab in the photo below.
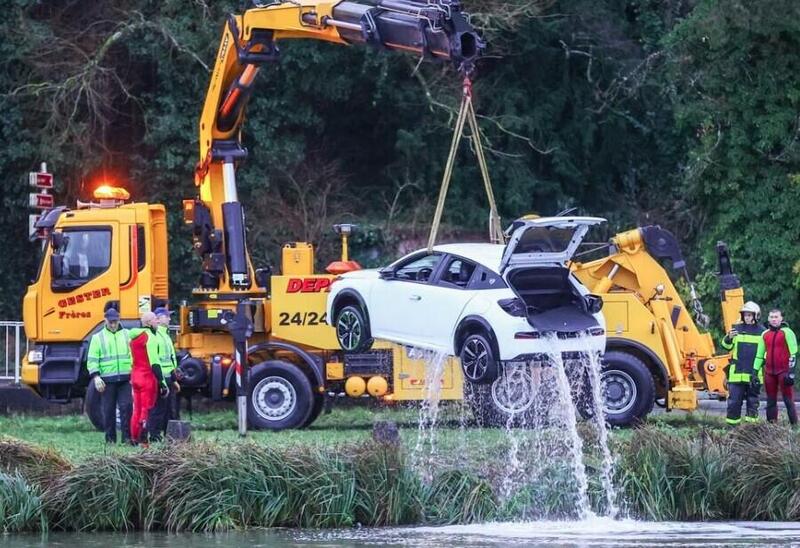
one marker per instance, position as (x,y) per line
(100,255)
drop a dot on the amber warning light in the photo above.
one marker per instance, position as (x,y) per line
(107,192)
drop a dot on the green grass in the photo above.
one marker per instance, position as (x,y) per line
(332,474)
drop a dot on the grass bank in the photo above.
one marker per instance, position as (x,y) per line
(333,475)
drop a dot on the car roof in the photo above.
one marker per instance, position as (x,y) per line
(488,255)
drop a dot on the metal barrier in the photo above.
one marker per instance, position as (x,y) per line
(15,346)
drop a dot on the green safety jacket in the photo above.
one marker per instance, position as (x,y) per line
(109,355)
(153,347)
(168,359)
(747,356)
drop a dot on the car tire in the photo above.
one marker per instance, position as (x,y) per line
(93,408)
(352,329)
(628,389)
(478,359)
(281,396)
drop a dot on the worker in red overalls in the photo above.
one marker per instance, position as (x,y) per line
(146,378)
(780,345)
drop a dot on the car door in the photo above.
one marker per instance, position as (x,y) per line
(545,240)
(443,302)
(395,305)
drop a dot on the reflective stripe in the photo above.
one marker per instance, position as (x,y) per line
(751,419)
(733,421)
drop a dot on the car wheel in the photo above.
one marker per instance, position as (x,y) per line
(93,408)
(628,389)
(352,330)
(280,398)
(478,360)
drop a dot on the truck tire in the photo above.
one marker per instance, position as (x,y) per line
(319,405)
(478,359)
(280,397)
(352,329)
(93,408)
(628,389)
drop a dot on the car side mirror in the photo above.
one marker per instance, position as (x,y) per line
(56,266)
(386,273)
(57,240)
(594,303)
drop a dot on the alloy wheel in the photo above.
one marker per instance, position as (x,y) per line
(475,359)
(349,330)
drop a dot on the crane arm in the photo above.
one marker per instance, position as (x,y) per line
(435,29)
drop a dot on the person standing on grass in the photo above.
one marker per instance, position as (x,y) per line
(109,363)
(780,343)
(746,343)
(169,366)
(145,381)
(152,345)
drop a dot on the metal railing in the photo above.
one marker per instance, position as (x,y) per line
(15,346)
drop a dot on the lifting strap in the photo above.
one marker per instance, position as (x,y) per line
(466,114)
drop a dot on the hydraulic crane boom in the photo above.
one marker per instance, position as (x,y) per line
(435,29)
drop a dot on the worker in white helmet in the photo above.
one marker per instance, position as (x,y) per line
(745,374)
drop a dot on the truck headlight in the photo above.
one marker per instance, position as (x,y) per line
(35,356)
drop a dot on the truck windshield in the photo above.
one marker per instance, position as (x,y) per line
(85,255)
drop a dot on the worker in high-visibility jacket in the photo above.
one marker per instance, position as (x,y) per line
(154,356)
(169,366)
(109,363)
(745,372)
(780,343)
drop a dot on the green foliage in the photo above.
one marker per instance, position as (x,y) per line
(734,68)
(20,505)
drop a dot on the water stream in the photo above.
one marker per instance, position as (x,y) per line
(535,409)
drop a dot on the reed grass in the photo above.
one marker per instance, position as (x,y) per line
(750,473)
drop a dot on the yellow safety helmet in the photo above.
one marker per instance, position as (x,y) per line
(752,307)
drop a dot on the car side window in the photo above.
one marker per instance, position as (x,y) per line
(457,273)
(418,269)
(486,279)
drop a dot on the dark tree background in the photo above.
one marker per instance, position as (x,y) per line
(678,112)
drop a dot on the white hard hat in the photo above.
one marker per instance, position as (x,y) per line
(750,306)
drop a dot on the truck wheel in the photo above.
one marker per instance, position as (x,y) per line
(93,408)
(628,389)
(280,396)
(478,360)
(352,330)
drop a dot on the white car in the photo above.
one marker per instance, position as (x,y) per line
(485,303)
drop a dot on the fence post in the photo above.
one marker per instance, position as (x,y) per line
(16,355)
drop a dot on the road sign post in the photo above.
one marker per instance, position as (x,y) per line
(42,200)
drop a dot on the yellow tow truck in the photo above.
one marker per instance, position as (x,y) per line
(112,253)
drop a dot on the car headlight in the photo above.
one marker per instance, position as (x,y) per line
(35,356)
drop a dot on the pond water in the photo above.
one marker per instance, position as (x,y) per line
(591,532)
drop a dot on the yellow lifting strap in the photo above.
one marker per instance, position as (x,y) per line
(466,114)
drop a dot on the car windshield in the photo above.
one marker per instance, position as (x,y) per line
(545,239)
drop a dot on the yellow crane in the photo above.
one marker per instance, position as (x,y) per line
(113,253)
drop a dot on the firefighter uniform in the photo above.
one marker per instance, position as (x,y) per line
(109,357)
(745,371)
(781,349)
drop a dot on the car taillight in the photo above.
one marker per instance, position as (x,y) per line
(514,306)
(528,335)
(597,331)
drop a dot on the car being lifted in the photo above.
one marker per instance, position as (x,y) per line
(488,304)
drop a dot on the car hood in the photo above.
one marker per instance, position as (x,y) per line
(367,274)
